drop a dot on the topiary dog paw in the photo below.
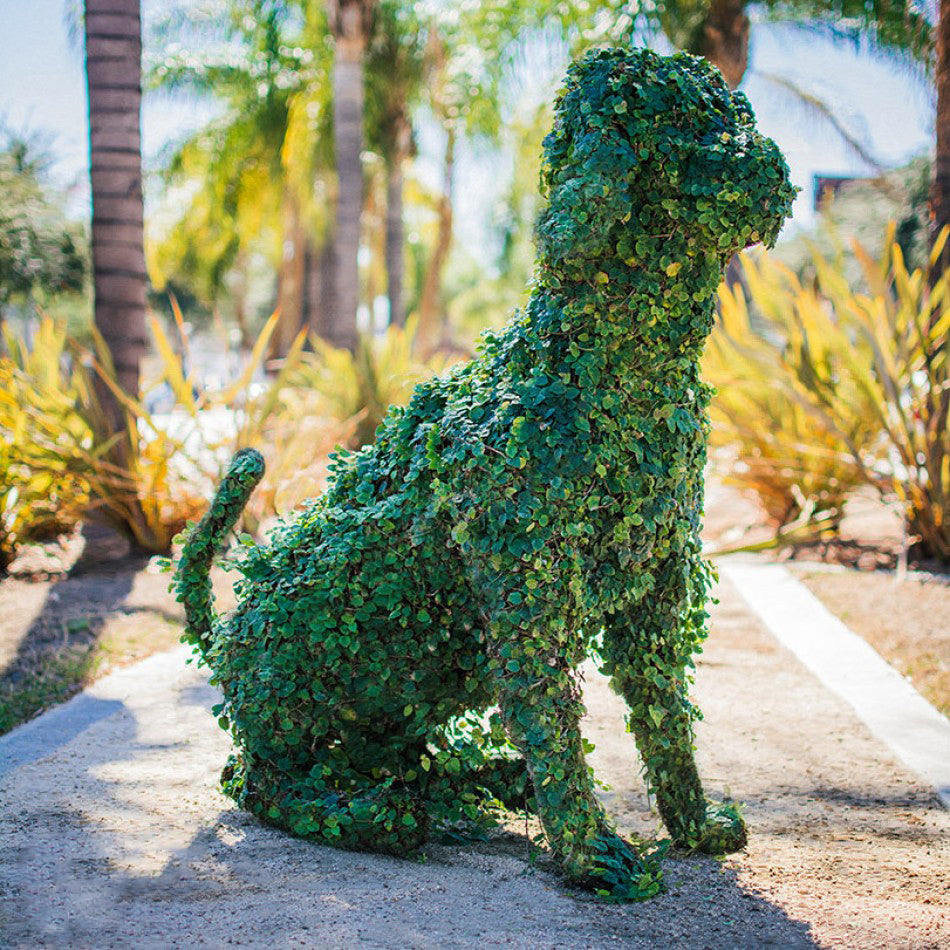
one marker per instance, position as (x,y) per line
(723,831)
(615,870)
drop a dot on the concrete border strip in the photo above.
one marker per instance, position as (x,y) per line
(42,736)
(886,702)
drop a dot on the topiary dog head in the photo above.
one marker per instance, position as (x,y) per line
(652,158)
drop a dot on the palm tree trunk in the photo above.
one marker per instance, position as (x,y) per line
(430,329)
(290,287)
(374,240)
(240,300)
(395,236)
(350,21)
(312,310)
(395,266)
(723,39)
(928,521)
(319,281)
(940,182)
(114,82)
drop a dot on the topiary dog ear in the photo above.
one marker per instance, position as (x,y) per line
(589,168)
(582,211)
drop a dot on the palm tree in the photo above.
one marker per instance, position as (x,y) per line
(351,22)
(395,232)
(716,29)
(114,80)
(722,36)
(432,332)
(262,164)
(940,181)
(395,68)
(463,93)
(724,39)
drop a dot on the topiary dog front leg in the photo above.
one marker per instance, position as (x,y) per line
(647,651)
(541,709)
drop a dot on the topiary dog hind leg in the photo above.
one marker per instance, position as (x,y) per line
(647,651)
(380,817)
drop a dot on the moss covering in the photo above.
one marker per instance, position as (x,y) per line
(543,497)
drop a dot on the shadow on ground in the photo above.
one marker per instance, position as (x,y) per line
(54,656)
(134,847)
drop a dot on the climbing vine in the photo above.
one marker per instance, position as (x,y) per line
(404,654)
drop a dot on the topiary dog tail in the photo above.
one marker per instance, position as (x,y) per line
(192,577)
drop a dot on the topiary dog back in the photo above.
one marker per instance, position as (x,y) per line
(404,654)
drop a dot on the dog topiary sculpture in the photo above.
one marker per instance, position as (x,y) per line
(546,495)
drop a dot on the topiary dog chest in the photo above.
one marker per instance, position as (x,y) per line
(404,654)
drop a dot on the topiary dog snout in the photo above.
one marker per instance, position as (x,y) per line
(404,654)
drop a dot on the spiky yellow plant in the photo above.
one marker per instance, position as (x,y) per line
(297,444)
(364,384)
(152,478)
(826,387)
(767,441)
(41,495)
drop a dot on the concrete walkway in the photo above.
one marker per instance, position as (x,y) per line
(112,833)
(884,701)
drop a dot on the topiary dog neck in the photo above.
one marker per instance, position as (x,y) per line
(639,313)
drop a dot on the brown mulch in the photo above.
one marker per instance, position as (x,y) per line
(906,621)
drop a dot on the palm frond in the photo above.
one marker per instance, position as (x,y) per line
(816,107)
(898,28)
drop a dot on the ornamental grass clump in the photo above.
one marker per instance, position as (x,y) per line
(768,443)
(404,654)
(358,388)
(151,479)
(60,457)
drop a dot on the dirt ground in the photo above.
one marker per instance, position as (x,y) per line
(904,615)
(120,837)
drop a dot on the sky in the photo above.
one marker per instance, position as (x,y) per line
(42,90)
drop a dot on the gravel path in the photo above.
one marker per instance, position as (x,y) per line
(119,838)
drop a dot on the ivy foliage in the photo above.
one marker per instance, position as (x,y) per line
(404,654)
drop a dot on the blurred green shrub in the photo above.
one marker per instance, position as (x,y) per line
(861,210)
(42,253)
